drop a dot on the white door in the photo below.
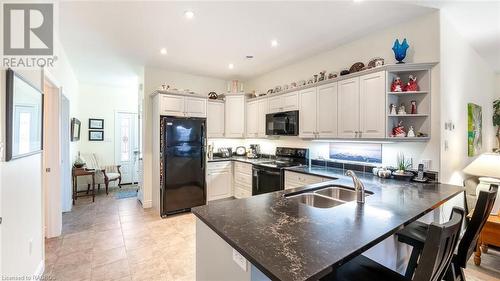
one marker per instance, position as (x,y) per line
(252,119)
(261,119)
(126,145)
(307,113)
(326,111)
(65,158)
(215,119)
(372,105)
(348,108)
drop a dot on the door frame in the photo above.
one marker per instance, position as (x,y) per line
(116,160)
(51,169)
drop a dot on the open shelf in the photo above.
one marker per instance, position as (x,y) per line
(408,93)
(407,115)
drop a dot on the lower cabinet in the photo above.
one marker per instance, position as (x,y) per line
(242,180)
(219,180)
(293,179)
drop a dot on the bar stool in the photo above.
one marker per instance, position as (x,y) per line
(436,257)
(415,235)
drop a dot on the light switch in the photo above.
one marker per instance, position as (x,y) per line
(240,260)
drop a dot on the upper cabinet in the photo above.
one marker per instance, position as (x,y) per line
(318,112)
(252,119)
(361,106)
(263,109)
(235,116)
(182,106)
(282,103)
(215,119)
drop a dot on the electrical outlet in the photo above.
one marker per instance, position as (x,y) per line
(240,260)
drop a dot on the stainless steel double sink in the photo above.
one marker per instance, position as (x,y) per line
(327,197)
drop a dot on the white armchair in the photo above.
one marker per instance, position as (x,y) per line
(104,173)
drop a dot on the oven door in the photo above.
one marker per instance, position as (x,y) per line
(283,123)
(265,180)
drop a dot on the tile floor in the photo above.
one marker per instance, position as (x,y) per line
(118,240)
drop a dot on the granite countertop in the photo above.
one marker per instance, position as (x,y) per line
(287,240)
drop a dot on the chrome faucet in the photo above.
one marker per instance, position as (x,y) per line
(359,187)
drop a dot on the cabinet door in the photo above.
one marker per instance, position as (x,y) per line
(218,185)
(196,107)
(307,113)
(372,105)
(348,108)
(275,104)
(290,101)
(172,105)
(326,111)
(252,119)
(235,116)
(263,109)
(215,119)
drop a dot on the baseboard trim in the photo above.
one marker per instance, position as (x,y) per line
(40,269)
(147,204)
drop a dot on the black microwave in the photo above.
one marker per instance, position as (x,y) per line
(283,123)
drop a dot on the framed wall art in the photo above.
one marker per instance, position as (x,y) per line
(96,135)
(474,129)
(76,126)
(96,124)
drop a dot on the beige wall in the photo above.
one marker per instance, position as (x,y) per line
(423,36)
(153,79)
(466,78)
(102,102)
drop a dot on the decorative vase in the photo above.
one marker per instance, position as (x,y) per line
(400,50)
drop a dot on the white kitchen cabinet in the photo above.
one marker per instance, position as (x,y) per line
(293,179)
(361,106)
(263,109)
(215,119)
(372,105)
(318,112)
(307,113)
(252,119)
(182,106)
(282,103)
(242,179)
(348,108)
(196,107)
(172,105)
(219,180)
(235,116)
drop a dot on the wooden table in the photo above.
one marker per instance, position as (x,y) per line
(490,235)
(77,172)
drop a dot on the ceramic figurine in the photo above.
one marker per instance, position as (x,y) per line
(413,107)
(412,85)
(302,82)
(411,132)
(285,87)
(402,109)
(315,78)
(397,85)
(393,109)
(399,130)
(310,81)
(400,50)
(322,75)
(165,87)
(294,84)
(332,75)
(270,91)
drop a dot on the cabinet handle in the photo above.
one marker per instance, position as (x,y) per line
(359,134)
(356,132)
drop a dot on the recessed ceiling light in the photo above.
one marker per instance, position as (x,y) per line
(249,57)
(163,51)
(189,14)
(230,66)
(274,43)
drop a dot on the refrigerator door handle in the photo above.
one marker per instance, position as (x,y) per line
(202,157)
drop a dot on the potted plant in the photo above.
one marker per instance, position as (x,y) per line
(496,120)
(402,165)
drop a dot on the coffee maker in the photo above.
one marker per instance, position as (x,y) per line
(254,151)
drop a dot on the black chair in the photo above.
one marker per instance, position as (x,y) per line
(436,257)
(415,235)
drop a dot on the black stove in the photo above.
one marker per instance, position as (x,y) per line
(268,176)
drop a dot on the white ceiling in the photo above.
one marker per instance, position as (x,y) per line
(109,42)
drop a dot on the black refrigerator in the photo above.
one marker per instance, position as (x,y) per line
(182,164)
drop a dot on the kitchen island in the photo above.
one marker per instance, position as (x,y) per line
(283,239)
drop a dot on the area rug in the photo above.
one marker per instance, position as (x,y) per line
(122,194)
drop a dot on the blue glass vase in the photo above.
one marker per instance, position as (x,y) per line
(400,50)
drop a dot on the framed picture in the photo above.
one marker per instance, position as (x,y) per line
(474,129)
(96,124)
(75,129)
(96,135)
(24,118)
